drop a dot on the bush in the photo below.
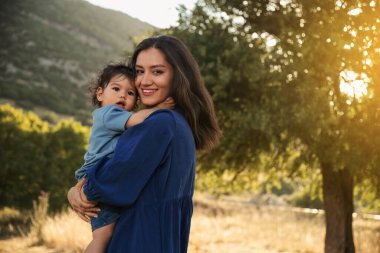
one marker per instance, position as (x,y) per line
(38,157)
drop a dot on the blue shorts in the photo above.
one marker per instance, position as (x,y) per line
(107,215)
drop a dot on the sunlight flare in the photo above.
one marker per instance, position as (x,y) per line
(355,12)
(354,85)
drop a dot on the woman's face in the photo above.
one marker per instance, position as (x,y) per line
(154,77)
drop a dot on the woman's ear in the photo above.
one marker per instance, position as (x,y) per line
(99,94)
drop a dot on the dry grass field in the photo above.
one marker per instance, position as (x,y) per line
(218,226)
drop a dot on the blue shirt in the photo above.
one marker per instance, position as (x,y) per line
(108,124)
(151,177)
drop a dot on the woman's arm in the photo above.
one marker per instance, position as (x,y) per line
(139,152)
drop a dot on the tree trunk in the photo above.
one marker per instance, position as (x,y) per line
(338,203)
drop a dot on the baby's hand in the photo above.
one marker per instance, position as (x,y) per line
(167,104)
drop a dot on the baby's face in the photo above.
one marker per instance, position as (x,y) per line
(120,91)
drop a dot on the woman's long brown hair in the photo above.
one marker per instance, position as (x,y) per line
(188,90)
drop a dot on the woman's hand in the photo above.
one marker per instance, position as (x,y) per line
(78,201)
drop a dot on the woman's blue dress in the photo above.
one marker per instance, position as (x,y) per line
(151,177)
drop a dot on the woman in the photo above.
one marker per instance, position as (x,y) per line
(151,175)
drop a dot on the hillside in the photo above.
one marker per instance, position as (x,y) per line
(50,49)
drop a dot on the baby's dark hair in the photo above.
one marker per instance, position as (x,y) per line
(105,76)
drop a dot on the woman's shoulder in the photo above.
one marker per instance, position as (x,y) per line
(163,120)
(165,116)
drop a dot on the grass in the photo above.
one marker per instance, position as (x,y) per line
(217,226)
(241,227)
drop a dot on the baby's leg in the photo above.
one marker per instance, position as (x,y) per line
(100,239)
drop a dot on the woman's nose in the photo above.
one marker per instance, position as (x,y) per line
(146,80)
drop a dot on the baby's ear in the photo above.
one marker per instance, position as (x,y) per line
(99,94)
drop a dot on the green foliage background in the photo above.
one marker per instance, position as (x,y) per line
(37,157)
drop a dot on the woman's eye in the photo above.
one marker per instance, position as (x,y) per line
(139,71)
(158,72)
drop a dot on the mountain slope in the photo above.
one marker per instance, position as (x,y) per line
(50,49)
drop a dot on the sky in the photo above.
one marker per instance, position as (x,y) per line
(160,13)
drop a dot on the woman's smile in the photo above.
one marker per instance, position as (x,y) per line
(148,92)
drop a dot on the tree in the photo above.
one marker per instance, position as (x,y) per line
(296,97)
(227,63)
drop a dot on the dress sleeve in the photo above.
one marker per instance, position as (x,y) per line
(115,118)
(138,153)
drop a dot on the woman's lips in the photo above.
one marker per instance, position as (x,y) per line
(148,92)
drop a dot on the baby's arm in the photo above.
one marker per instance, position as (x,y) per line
(140,116)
